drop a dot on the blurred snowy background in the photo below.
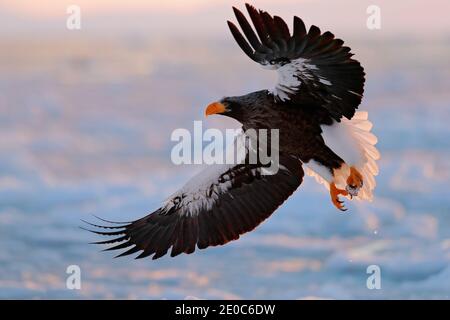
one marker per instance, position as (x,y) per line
(85,124)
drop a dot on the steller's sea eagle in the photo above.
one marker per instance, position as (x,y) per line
(313,105)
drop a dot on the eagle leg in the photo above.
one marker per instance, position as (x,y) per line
(354,182)
(334,193)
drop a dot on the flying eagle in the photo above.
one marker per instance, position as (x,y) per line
(313,105)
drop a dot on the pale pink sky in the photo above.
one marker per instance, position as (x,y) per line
(417,17)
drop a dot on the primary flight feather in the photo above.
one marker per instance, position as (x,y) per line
(313,105)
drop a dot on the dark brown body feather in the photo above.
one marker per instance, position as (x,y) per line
(319,84)
(299,126)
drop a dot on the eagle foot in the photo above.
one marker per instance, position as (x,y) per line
(334,193)
(354,182)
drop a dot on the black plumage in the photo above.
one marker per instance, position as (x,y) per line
(319,84)
(336,82)
(252,198)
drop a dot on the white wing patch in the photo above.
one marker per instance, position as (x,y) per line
(355,144)
(289,77)
(203,190)
(200,192)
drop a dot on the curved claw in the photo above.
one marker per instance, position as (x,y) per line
(334,193)
(354,182)
(340,205)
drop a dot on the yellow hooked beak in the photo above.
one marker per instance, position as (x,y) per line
(215,107)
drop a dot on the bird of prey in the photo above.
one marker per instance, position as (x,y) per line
(313,105)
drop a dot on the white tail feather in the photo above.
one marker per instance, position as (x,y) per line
(355,144)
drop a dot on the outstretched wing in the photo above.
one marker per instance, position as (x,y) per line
(213,208)
(313,68)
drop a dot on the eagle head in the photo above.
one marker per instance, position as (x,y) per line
(241,108)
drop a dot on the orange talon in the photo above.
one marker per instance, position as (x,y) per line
(354,181)
(334,193)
